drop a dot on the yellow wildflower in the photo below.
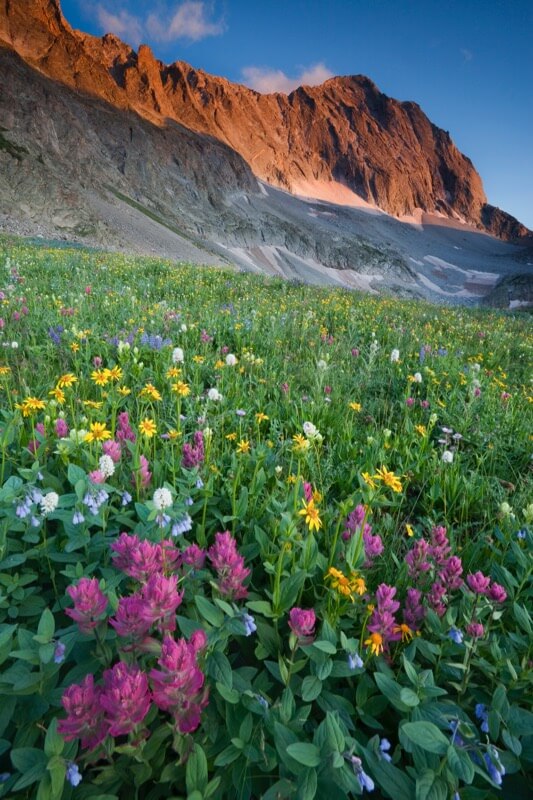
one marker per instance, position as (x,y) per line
(66,380)
(100,377)
(198,359)
(375,643)
(421,429)
(148,427)
(301,444)
(355,407)
(115,373)
(124,391)
(231,436)
(97,432)
(369,480)
(149,391)
(243,446)
(389,479)
(181,389)
(74,347)
(260,417)
(312,515)
(5,370)
(405,630)
(173,372)
(58,394)
(409,529)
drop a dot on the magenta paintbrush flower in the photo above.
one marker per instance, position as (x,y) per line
(161,598)
(128,620)
(229,565)
(125,698)
(138,559)
(85,718)
(302,623)
(478,582)
(90,604)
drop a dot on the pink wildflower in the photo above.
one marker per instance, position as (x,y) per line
(178,685)
(193,455)
(96,476)
(90,604)
(410,402)
(475,630)
(414,611)
(416,558)
(125,698)
(128,621)
(161,598)
(440,547)
(478,582)
(229,565)
(193,556)
(112,449)
(61,428)
(138,559)
(85,718)
(497,593)
(124,429)
(451,573)
(143,474)
(437,597)
(302,623)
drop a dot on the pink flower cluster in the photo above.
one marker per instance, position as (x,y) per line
(229,565)
(433,558)
(118,706)
(373,544)
(383,620)
(178,686)
(90,604)
(302,623)
(193,454)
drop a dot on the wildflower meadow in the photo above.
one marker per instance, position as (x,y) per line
(259,539)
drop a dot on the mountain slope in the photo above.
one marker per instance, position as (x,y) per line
(340,141)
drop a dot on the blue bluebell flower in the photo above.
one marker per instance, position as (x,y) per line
(73,774)
(355,661)
(365,781)
(59,653)
(494,766)
(249,624)
(384,747)
(455,635)
(482,714)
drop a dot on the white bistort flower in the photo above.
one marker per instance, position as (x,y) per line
(177,356)
(231,360)
(418,377)
(395,355)
(162,499)
(106,466)
(447,456)
(214,394)
(322,364)
(49,502)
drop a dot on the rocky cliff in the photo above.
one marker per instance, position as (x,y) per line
(340,141)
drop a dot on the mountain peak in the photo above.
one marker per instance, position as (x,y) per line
(343,140)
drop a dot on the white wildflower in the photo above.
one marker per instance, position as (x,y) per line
(418,377)
(49,502)
(162,499)
(231,360)
(106,466)
(447,456)
(214,394)
(177,356)
(395,355)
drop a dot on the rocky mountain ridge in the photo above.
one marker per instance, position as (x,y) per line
(341,141)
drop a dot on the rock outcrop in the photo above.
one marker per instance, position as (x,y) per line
(340,141)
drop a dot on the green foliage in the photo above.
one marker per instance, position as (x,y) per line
(311,420)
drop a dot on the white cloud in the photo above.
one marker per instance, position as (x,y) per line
(191,20)
(123,24)
(266,80)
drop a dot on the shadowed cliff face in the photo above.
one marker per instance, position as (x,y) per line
(338,141)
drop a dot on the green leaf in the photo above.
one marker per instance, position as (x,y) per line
(57,770)
(209,611)
(290,589)
(430,786)
(427,736)
(304,753)
(75,474)
(46,627)
(227,756)
(219,668)
(196,771)
(54,742)
(523,618)
(311,688)
(31,763)
(307,785)
(409,697)
(391,690)
(325,647)
(460,764)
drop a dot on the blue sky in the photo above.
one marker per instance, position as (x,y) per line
(468,64)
